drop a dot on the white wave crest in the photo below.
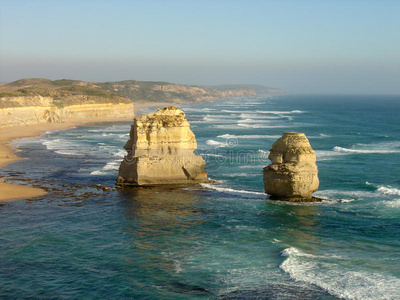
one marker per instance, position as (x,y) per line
(323,271)
(232,191)
(219,119)
(262,117)
(361,151)
(211,155)
(230,126)
(385,190)
(271,112)
(260,136)
(121,153)
(235,111)
(260,126)
(98,172)
(263,152)
(382,148)
(206,109)
(109,168)
(114,128)
(63,147)
(239,175)
(344,196)
(388,191)
(392,203)
(327,154)
(248,120)
(216,144)
(112,165)
(259,167)
(274,112)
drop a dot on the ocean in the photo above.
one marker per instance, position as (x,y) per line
(225,240)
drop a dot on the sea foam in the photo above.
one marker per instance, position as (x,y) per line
(259,136)
(257,116)
(228,190)
(63,147)
(388,191)
(109,168)
(324,271)
(378,148)
(260,126)
(216,144)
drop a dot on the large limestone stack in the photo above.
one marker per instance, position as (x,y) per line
(293,174)
(160,151)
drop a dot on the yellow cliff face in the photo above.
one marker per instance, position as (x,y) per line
(97,110)
(25,101)
(37,109)
(160,151)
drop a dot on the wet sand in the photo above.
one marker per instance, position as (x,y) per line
(8,134)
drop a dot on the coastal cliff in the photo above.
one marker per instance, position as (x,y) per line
(43,110)
(160,151)
(34,101)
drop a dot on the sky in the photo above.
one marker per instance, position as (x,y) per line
(303,47)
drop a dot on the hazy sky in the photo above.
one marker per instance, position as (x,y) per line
(302,46)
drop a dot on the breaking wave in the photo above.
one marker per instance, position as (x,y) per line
(216,144)
(327,154)
(385,190)
(233,191)
(383,148)
(260,136)
(260,126)
(110,167)
(219,119)
(63,147)
(285,112)
(324,271)
(262,117)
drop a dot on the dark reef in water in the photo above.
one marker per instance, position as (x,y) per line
(281,292)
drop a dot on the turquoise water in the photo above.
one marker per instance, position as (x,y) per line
(212,241)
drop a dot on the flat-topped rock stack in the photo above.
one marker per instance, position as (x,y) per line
(160,151)
(293,173)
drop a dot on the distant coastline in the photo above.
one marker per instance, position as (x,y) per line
(71,92)
(38,100)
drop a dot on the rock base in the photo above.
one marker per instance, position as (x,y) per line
(297,199)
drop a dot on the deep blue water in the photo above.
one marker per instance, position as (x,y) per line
(212,241)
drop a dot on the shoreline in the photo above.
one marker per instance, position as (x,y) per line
(9,191)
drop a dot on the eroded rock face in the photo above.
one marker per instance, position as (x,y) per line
(293,174)
(160,151)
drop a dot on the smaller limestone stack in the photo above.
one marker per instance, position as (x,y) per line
(293,174)
(160,151)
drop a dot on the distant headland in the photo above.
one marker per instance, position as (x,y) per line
(63,91)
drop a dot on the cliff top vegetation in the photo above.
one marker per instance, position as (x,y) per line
(68,91)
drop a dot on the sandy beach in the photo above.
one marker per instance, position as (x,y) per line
(8,134)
